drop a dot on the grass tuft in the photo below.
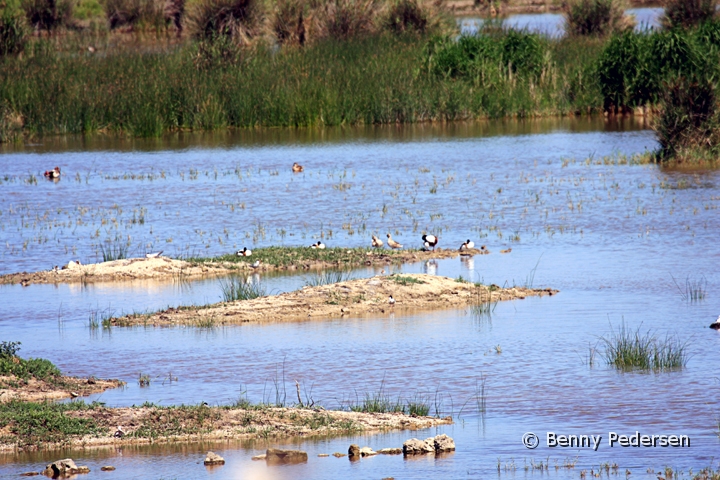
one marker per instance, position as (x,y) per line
(236,288)
(596,17)
(626,349)
(328,277)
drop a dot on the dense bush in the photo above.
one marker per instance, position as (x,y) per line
(688,13)
(346,19)
(13,33)
(144,13)
(241,20)
(406,15)
(596,17)
(688,120)
(11,364)
(509,51)
(48,14)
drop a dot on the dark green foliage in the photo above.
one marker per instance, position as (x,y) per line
(9,349)
(241,20)
(13,33)
(689,119)
(48,14)
(509,50)
(405,16)
(626,349)
(688,13)
(11,364)
(595,17)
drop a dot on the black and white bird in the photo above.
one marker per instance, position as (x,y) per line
(319,245)
(391,301)
(430,241)
(119,433)
(716,324)
(154,255)
(244,252)
(255,265)
(467,245)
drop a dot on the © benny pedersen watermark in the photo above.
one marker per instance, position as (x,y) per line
(637,439)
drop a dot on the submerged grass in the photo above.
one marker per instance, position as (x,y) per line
(328,277)
(626,349)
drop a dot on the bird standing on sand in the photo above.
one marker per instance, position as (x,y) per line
(376,242)
(467,245)
(392,243)
(391,301)
(54,173)
(430,241)
(244,252)
(297,168)
(716,324)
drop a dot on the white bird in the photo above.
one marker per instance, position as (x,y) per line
(467,245)
(154,255)
(392,243)
(376,242)
(119,433)
(391,301)
(320,245)
(716,324)
(430,241)
(256,264)
(244,252)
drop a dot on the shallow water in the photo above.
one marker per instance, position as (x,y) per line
(619,241)
(553,24)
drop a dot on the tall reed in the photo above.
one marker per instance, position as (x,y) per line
(237,288)
(626,349)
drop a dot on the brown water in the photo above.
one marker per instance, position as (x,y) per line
(613,238)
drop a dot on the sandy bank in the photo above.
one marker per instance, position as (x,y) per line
(351,298)
(142,425)
(167,268)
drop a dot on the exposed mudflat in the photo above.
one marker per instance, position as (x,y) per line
(350,298)
(189,424)
(33,389)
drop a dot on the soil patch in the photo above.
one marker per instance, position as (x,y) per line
(351,298)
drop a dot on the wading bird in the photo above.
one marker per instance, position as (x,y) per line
(297,168)
(430,241)
(255,265)
(392,243)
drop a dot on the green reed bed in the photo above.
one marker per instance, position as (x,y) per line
(628,349)
(376,80)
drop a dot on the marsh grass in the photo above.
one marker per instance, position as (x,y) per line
(482,305)
(114,249)
(36,423)
(98,318)
(694,290)
(236,288)
(327,277)
(596,17)
(406,281)
(688,13)
(300,257)
(628,350)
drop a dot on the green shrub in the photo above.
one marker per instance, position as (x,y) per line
(13,32)
(688,13)
(48,14)
(596,17)
(405,16)
(688,120)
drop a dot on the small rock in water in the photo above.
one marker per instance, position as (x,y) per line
(354,450)
(64,467)
(367,452)
(338,454)
(107,468)
(275,456)
(323,455)
(213,458)
(390,451)
(30,474)
(259,457)
(443,443)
